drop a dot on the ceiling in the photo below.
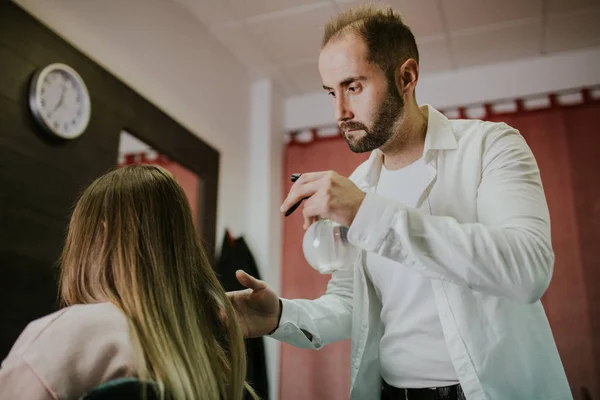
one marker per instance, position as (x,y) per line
(281,38)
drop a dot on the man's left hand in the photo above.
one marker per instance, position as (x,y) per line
(331,196)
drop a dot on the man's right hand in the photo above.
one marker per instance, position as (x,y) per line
(257,307)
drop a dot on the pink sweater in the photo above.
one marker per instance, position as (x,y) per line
(65,354)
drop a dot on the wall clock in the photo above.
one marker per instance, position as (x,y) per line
(59,101)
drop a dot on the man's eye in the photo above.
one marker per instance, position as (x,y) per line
(332,94)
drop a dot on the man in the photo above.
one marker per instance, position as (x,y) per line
(444,301)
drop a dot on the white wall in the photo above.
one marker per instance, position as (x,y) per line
(265,186)
(168,57)
(472,85)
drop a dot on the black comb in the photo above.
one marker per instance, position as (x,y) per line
(289,212)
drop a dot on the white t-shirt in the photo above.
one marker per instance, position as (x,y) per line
(413,352)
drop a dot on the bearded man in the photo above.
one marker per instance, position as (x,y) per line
(444,300)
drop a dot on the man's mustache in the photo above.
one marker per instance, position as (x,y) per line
(352,126)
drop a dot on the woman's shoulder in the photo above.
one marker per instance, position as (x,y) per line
(30,335)
(103,316)
(82,322)
(75,348)
(102,324)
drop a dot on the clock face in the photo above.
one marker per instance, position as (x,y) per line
(60,101)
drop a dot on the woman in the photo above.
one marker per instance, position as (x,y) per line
(142,300)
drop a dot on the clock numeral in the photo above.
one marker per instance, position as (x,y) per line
(73,122)
(55,125)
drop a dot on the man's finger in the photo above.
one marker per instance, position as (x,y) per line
(304,178)
(310,176)
(313,207)
(223,317)
(232,295)
(308,221)
(249,281)
(302,191)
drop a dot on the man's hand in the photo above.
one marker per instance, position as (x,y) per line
(257,308)
(331,196)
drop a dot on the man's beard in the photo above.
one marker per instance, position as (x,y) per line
(389,112)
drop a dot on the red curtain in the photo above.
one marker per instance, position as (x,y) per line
(566,143)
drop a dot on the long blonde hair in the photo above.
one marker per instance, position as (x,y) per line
(131,241)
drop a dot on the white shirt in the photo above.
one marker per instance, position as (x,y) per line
(413,350)
(485,246)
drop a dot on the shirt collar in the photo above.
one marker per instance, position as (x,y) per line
(439,136)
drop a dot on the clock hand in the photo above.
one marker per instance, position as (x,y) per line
(61,100)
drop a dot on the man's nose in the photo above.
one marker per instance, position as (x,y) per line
(342,111)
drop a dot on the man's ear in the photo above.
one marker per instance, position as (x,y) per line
(406,76)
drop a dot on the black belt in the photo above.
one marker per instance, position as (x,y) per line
(453,392)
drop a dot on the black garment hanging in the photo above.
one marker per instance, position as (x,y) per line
(235,255)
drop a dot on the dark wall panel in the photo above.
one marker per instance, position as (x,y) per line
(40,177)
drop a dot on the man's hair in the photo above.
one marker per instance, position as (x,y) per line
(389,41)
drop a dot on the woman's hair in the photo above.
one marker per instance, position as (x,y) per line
(131,241)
